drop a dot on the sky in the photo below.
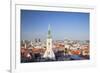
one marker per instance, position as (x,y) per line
(64,25)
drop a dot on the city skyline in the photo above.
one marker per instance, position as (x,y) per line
(64,25)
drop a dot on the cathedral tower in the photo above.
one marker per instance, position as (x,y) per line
(49,52)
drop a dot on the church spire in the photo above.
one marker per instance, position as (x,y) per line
(49,31)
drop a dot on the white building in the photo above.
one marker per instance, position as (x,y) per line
(49,52)
(66,44)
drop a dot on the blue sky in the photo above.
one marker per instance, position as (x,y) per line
(64,25)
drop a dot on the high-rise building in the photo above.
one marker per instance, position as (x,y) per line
(49,52)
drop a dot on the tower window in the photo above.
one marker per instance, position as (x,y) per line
(49,43)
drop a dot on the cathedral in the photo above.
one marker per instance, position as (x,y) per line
(49,52)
